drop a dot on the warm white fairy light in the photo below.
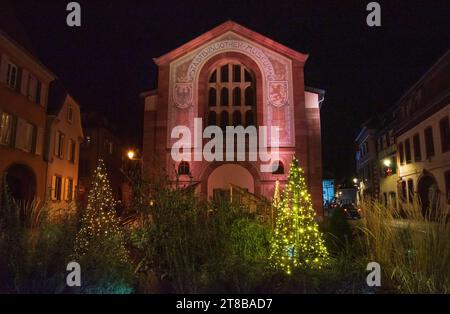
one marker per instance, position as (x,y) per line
(297,241)
(99,221)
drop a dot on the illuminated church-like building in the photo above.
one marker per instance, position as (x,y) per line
(232,75)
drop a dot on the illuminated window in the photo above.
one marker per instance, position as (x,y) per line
(6,128)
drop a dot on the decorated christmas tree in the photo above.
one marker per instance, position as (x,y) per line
(100,227)
(297,241)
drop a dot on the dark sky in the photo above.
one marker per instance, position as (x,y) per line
(108,61)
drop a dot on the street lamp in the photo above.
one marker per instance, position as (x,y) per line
(130,154)
(387,162)
(355,180)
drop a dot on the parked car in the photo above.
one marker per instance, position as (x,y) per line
(351,211)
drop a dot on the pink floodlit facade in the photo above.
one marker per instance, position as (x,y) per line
(234,76)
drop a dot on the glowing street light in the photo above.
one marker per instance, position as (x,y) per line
(130,154)
(387,162)
(355,180)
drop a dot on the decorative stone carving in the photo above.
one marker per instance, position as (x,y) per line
(182,95)
(278,93)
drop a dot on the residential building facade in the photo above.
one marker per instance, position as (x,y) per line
(423,139)
(367,162)
(100,143)
(412,152)
(24,83)
(387,160)
(63,138)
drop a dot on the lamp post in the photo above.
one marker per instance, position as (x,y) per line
(131,154)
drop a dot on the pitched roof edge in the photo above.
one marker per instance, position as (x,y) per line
(223,28)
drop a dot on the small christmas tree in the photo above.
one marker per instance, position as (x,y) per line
(297,241)
(100,227)
(276,201)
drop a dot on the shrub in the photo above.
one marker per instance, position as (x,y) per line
(36,250)
(339,231)
(414,252)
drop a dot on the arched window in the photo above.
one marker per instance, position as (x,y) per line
(212,96)
(212,118)
(183,168)
(224,120)
(236,96)
(280,169)
(230,85)
(224,96)
(236,118)
(249,97)
(249,118)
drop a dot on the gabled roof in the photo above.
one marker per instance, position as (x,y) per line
(238,29)
(56,97)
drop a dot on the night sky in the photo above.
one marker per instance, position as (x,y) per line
(107,62)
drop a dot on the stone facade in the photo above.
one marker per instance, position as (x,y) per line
(191,85)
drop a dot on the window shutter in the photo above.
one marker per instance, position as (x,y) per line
(12,140)
(19,79)
(56,144)
(53,188)
(24,85)
(39,140)
(3,68)
(62,145)
(34,139)
(39,95)
(74,188)
(64,189)
(20,134)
